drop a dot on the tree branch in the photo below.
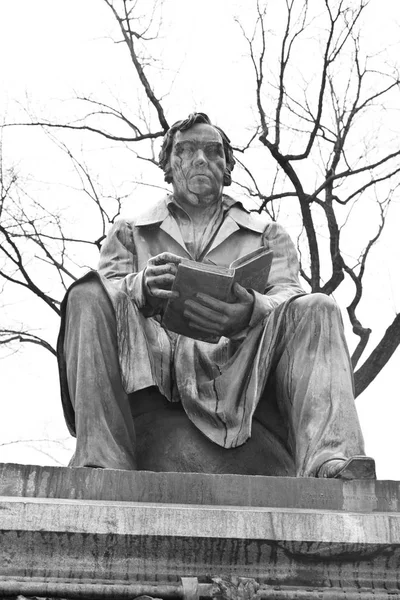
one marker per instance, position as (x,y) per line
(7,336)
(378,357)
(128,36)
(109,136)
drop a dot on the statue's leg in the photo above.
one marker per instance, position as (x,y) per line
(104,425)
(314,385)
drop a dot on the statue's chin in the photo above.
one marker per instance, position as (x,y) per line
(203,193)
(197,195)
(202,189)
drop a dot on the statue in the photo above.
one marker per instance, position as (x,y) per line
(273,397)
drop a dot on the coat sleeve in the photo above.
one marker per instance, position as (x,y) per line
(118,262)
(283,282)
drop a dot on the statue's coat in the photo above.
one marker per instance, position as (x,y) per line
(220,384)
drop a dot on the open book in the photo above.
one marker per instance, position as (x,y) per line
(250,271)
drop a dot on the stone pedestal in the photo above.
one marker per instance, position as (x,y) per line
(91,533)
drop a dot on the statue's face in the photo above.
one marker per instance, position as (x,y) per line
(198,165)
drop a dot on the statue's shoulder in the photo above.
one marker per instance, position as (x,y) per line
(259,222)
(125,227)
(152,215)
(249,220)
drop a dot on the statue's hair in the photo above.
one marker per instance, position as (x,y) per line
(184,125)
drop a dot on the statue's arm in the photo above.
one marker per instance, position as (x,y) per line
(150,286)
(283,282)
(118,262)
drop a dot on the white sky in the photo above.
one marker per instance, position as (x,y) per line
(52,50)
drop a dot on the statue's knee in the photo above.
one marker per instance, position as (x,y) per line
(87,294)
(317,302)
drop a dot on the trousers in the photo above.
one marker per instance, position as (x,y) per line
(309,370)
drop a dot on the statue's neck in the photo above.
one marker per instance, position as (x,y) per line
(203,212)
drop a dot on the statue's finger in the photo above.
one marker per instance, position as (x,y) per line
(218,305)
(165,257)
(194,308)
(160,281)
(164,294)
(155,270)
(204,325)
(241,293)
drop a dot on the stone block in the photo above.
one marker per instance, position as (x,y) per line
(87,533)
(198,488)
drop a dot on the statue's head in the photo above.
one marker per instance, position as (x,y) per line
(196,134)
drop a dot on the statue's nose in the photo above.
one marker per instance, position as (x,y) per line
(200,158)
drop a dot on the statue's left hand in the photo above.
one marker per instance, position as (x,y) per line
(211,316)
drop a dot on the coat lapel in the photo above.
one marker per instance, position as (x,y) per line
(170,226)
(238,218)
(228,227)
(160,216)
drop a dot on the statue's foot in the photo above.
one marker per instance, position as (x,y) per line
(356,467)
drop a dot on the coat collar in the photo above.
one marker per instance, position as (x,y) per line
(155,215)
(236,218)
(159,213)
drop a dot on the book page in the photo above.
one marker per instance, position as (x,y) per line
(253,274)
(249,256)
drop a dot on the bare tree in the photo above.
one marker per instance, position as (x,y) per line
(310,122)
(33,237)
(321,122)
(36,246)
(138,24)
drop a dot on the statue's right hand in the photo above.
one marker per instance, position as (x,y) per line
(159,276)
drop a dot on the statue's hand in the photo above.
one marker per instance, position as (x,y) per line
(212,316)
(159,276)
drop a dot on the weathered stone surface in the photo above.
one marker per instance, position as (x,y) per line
(189,488)
(120,541)
(135,529)
(195,521)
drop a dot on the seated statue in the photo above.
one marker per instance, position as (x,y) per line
(273,397)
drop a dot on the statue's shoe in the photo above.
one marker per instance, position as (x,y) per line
(356,467)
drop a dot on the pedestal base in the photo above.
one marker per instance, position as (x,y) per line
(86,533)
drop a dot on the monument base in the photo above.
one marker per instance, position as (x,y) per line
(92,533)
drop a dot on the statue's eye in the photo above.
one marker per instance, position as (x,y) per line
(213,151)
(185,149)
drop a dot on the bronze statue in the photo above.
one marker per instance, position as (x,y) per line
(273,397)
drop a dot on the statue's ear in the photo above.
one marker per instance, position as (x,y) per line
(227,178)
(168,172)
